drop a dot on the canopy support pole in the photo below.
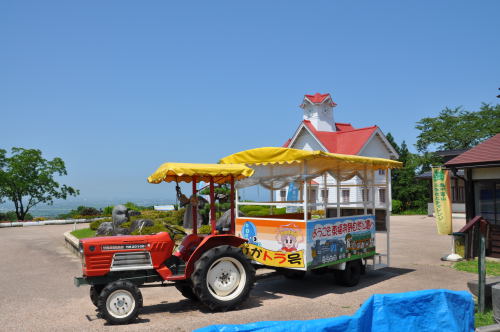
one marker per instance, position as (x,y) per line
(337,182)
(388,207)
(194,208)
(372,186)
(212,206)
(233,221)
(305,193)
(325,193)
(366,191)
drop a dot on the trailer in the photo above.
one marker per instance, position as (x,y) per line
(310,235)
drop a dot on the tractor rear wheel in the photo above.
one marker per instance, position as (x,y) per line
(351,275)
(223,278)
(119,302)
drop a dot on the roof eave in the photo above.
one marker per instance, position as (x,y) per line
(474,164)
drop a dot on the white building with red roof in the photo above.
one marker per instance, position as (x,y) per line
(319,131)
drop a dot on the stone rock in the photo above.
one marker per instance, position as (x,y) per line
(121,231)
(488,328)
(141,223)
(133,213)
(106,228)
(490,282)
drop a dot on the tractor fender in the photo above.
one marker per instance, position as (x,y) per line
(208,243)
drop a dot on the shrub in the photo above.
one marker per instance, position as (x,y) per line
(397,206)
(156,228)
(88,211)
(205,229)
(12,216)
(177,217)
(39,219)
(133,206)
(108,210)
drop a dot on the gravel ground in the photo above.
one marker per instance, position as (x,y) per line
(37,292)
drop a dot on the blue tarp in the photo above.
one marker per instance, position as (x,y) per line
(427,310)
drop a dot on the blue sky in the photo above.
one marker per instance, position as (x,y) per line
(116,88)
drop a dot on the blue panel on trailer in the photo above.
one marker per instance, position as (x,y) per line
(336,240)
(427,310)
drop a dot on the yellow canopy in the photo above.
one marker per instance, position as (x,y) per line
(184,172)
(271,155)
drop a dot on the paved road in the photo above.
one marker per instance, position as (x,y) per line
(37,292)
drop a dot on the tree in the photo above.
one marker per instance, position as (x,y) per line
(406,187)
(27,179)
(455,129)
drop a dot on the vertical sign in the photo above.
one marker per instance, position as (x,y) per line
(442,201)
(292,195)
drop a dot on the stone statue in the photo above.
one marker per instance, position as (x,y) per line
(188,203)
(224,222)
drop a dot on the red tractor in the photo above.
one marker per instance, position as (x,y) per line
(209,268)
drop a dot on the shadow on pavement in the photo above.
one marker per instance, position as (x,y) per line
(271,285)
(318,285)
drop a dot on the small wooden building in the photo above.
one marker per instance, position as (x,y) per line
(481,173)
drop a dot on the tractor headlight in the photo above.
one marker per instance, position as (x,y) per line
(80,248)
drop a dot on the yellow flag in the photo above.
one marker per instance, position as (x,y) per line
(442,201)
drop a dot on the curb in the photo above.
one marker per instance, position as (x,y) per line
(72,243)
(46,222)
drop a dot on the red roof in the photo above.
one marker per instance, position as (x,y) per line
(487,152)
(343,126)
(319,98)
(345,141)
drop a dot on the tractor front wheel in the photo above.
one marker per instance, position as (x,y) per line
(94,293)
(119,302)
(186,289)
(223,278)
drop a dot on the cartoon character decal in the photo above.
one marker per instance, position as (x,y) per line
(249,232)
(288,236)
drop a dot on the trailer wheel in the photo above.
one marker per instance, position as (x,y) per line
(293,274)
(119,302)
(95,290)
(186,289)
(351,275)
(223,278)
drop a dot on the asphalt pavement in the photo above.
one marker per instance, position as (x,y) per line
(37,291)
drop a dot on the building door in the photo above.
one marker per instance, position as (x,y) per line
(487,194)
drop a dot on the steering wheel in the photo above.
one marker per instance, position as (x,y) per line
(174,230)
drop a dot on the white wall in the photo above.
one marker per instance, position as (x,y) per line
(306,142)
(486,173)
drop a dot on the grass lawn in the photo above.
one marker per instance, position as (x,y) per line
(83,233)
(492,268)
(484,319)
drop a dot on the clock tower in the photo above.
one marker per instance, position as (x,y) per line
(318,109)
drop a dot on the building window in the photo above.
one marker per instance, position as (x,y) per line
(345,195)
(312,196)
(365,193)
(381,193)
(283,195)
(381,172)
(324,194)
